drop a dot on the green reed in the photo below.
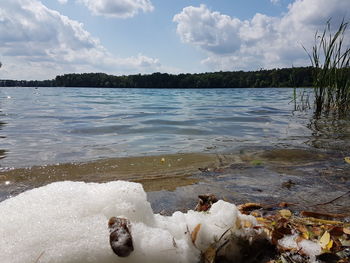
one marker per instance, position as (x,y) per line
(330,58)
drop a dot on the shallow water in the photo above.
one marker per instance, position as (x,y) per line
(241,144)
(59,125)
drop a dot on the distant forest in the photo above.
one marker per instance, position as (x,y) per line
(286,77)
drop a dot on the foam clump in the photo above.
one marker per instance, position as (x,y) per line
(67,222)
(307,247)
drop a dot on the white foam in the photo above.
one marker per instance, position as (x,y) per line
(67,222)
(307,247)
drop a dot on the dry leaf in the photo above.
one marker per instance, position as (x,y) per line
(329,245)
(209,255)
(324,240)
(346,230)
(247,224)
(347,159)
(195,233)
(255,214)
(325,216)
(205,202)
(285,213)
(120,238)
(248,207)
(336,231)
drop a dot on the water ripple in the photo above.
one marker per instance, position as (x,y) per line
(55,125)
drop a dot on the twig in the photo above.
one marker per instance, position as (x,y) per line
(41,254)
(331,201)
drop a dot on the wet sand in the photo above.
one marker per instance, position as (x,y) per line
(301,177)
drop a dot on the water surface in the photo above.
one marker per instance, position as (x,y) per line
(59,125)
(240,144)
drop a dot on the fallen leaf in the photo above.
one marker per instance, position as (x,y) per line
(248,207)
(325,216)
(324,240)
(205,202)
(247,224)
(255,214)
(303,231)
(347,159)
(346,230)
(285,213)
(120,238)
(329,245)
(209,255)
(195,233)
(336,231)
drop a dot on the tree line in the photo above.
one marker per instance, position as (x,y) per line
(285,77)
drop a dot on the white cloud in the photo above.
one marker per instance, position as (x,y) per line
(263,41)
(211,31)
(62,1)
(117,8)
(39,43)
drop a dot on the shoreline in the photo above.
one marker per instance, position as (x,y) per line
(174,181)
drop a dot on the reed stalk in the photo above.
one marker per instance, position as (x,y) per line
(330,58)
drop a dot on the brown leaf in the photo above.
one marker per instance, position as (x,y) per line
(205,202)
(195,233)
(303,231)
(209,255)
(336,231)
(248,207)
(285,204)
(120,238)
(346,230)
(325,216)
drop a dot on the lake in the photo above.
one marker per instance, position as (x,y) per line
(161,137)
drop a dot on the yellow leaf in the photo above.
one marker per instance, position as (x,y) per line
(347,159)
(329,245)
(285,213)
(305,235)
(324,240)
(195,233)
(261,219)
(346,230)
(247,224)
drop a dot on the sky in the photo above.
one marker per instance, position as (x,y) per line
(40,39)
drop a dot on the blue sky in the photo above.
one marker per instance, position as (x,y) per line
(41,39)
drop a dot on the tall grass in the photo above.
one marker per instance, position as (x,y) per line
(330,58)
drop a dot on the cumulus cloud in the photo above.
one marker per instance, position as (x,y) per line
(117,8)
(261,42)
(37,42)
(211,31)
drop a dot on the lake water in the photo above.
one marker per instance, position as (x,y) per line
(98,134)
(55,125)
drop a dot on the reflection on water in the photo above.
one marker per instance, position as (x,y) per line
(330,133)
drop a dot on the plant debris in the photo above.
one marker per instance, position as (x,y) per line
(205,202)
(307,237)
(120,237)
